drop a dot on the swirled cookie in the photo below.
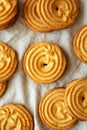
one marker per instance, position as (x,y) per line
(8,61)
(58,14)
(15,117)
(31,16)
(3,87)
(8,12)
(44,62)
(53,112)
(76,98)
(80,44)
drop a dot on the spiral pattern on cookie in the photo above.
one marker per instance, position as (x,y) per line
(58,14)
(31,16)
(8,10)
(80,44)
(8,61)
(15,117)
(44,62)
(3,87)
(53,112)
(76,98)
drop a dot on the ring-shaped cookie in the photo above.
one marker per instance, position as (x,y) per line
(76,98)
(80,44)
(8,61)
(15,117)
(8,12)
(32,18)
(53,112)
(44,62)
(3,87)
(58,14)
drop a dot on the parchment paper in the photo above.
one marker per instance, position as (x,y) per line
(21,89)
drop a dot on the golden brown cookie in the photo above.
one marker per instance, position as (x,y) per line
(15,117)
(80,44)
(9,24)
(76,98)
(8,12)
(44,62)
(8,61)
(31,17)
(58,14)
(3,87)
(53,112)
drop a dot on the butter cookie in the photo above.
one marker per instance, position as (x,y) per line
(76,98)
(8,12)
(3,87)
(44,62)
(8,61)
(80,44)
(32,18)
(15,117)
(58,14)
(53,112)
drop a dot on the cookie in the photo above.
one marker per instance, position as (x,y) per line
(9,24)
(3,87)
(76,98)
(80,44)
(15,117)
(58,14)
(44,62)
(8,61)
(53,112)
(31,17)
(8,13)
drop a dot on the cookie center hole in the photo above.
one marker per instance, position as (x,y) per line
(56,8)
(44,64)
(83,98)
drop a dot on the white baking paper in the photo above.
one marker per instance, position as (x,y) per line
(21,89)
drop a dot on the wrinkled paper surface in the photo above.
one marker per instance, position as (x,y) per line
(21,89)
